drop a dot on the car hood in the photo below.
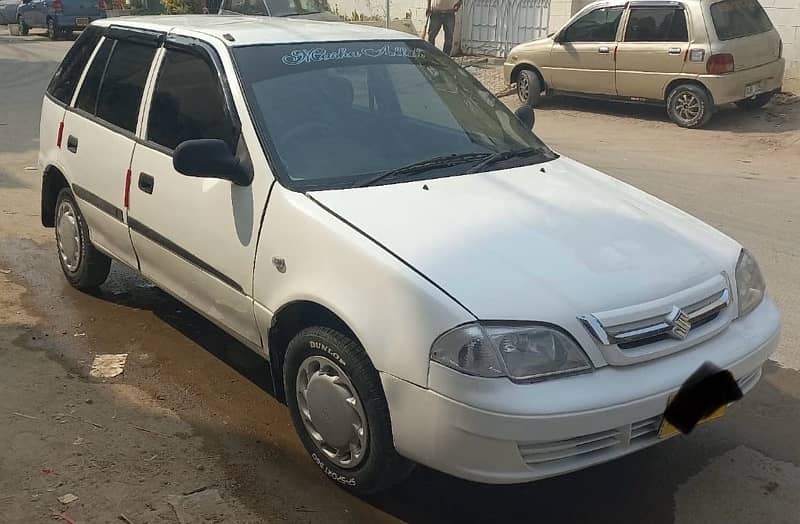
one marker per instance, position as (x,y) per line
(537,242)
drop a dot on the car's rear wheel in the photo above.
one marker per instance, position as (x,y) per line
(340,412)
(529,88)
(53,32)
(83,265)
(755,102)
(23,27)
(689,105)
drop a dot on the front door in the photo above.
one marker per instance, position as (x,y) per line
(582,58)
(98,140)
(196,237)
(652,51)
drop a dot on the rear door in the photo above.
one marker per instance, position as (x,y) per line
(196,237)
(582,57)
(744,30)
(653,49)
(100,134)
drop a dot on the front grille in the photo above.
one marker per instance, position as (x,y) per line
(635,334)
(662,326)
(588,448)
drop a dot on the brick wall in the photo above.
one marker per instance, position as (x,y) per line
(785,16)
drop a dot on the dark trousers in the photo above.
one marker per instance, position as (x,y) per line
(439,20)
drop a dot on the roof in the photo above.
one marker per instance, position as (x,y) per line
(249,30)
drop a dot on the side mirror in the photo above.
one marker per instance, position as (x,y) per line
(209,158)
(525,115)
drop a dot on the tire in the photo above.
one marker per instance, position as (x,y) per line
(331,353)
(84,266)
(689,105)
(53,32)
(23,27)
(755,102)
(529,88)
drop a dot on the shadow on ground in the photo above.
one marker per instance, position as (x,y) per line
(773,118)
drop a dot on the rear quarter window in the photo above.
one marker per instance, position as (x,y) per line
(739,18)
(65,80)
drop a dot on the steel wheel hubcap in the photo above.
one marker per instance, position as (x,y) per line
(68,236)
(688,107)
(524,88)
(332,411)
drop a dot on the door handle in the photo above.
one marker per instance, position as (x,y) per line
(674,50)
(72,144)
(146,183)
(604,49)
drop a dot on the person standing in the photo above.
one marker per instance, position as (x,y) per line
(442,14)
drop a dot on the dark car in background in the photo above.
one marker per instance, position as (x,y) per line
(59,17)
(8,11)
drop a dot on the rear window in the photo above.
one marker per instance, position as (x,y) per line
(62,86)
(739,18)
(114,84)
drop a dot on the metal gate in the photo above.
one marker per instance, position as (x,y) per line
(493,27)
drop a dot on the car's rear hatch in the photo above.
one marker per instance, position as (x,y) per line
(744,30)
(88,8)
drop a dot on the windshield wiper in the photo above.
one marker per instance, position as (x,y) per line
(425,165)
(505,155)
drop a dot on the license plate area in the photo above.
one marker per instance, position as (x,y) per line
(667,430)
(752,89)
(82,21)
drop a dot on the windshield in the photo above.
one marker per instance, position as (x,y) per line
(296,7)
(338,114)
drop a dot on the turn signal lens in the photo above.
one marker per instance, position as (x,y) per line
(720,64)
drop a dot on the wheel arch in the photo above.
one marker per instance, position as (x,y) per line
(53,181)
(686,81)
(519,68)
(289,320)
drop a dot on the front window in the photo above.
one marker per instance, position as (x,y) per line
(599,25)
(739,18)
(340,114)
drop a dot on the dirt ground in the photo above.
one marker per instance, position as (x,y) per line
(192,419)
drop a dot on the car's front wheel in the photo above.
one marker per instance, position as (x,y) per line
(755,102)
(689,105)
(529,88)
(340,412)
(83,265)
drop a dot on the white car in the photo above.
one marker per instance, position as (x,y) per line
(430,283)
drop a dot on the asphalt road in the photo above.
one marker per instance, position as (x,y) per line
(193,409)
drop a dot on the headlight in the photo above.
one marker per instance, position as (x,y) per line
(520,352)
(750,285)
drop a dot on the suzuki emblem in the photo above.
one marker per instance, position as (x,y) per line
(680,322)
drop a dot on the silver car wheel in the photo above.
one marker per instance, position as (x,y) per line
(688,107)
(332,411)
(523,88)
(68,236)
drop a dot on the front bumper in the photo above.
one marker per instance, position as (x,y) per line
(508,68)
(730,87)
(558,426)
